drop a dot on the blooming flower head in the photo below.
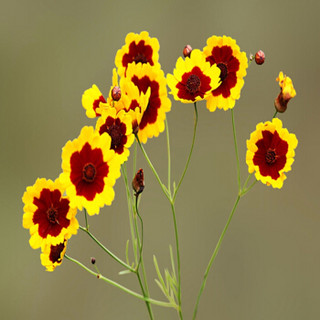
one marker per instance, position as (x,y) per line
(138,48)
(132,101)
(287,92)
(119,127)
(47,213)
(193,79)
(91,100)
(147,77)
(271,152)
(52,255)
(90,169)
(224,52)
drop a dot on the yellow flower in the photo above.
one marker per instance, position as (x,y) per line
(193,79)
(47,213)
(138,48)
(90,169)
(271,152)
(119,127)
(132,101)
(91,100)
(52,255)
(147,77)
(287,92)
(233,63)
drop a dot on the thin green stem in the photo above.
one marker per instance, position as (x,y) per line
(169,157)
(178,256)
(119,286)
(215,252)
(135,236)
(140,262)
(86,218)
(130,211)
(236,150)
(163,187)
(246,190)
(275,114)
(190,153)
(112,255)
(135,158)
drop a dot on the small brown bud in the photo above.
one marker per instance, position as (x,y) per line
(187,51)
(93,260)
(259,57)
(116,93)
(138,182)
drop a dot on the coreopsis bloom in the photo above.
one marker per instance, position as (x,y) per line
(119,127)
(138,48)
(90,169)
(271,152)
(48,214)
(287,92)
(91,100)
(132,101)
(193,78)
(233,63)
(52,255)
(147,77)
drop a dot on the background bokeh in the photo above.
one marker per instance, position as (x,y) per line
(268,266)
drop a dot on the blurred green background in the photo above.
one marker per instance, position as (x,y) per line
(268,266)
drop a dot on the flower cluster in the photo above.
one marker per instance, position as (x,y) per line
(136,107)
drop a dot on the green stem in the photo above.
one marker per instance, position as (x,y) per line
(164,189)
(106,250)
(190,153)
(215,252)
(130,211)
(169,157)
(86,218)
(119,286)
(178,256)
(236,149)
(275,114)
(145,291)
(140,245)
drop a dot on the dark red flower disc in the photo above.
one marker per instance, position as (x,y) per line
(117,131)
(55,252)
(193,84)
(138,53)
(51,213)
(229,65)
(271,154)
(88,171)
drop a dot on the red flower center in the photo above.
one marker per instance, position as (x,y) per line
(193,84)
(224,70)
(55,252)
(88,172)
(51,213)
(229,65)
(271,156)
(117,131)
(138,53)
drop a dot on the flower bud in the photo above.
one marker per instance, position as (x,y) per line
(93,260)
(116,93)
(138,182)
(287,92)
(187,51)
(259,57)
